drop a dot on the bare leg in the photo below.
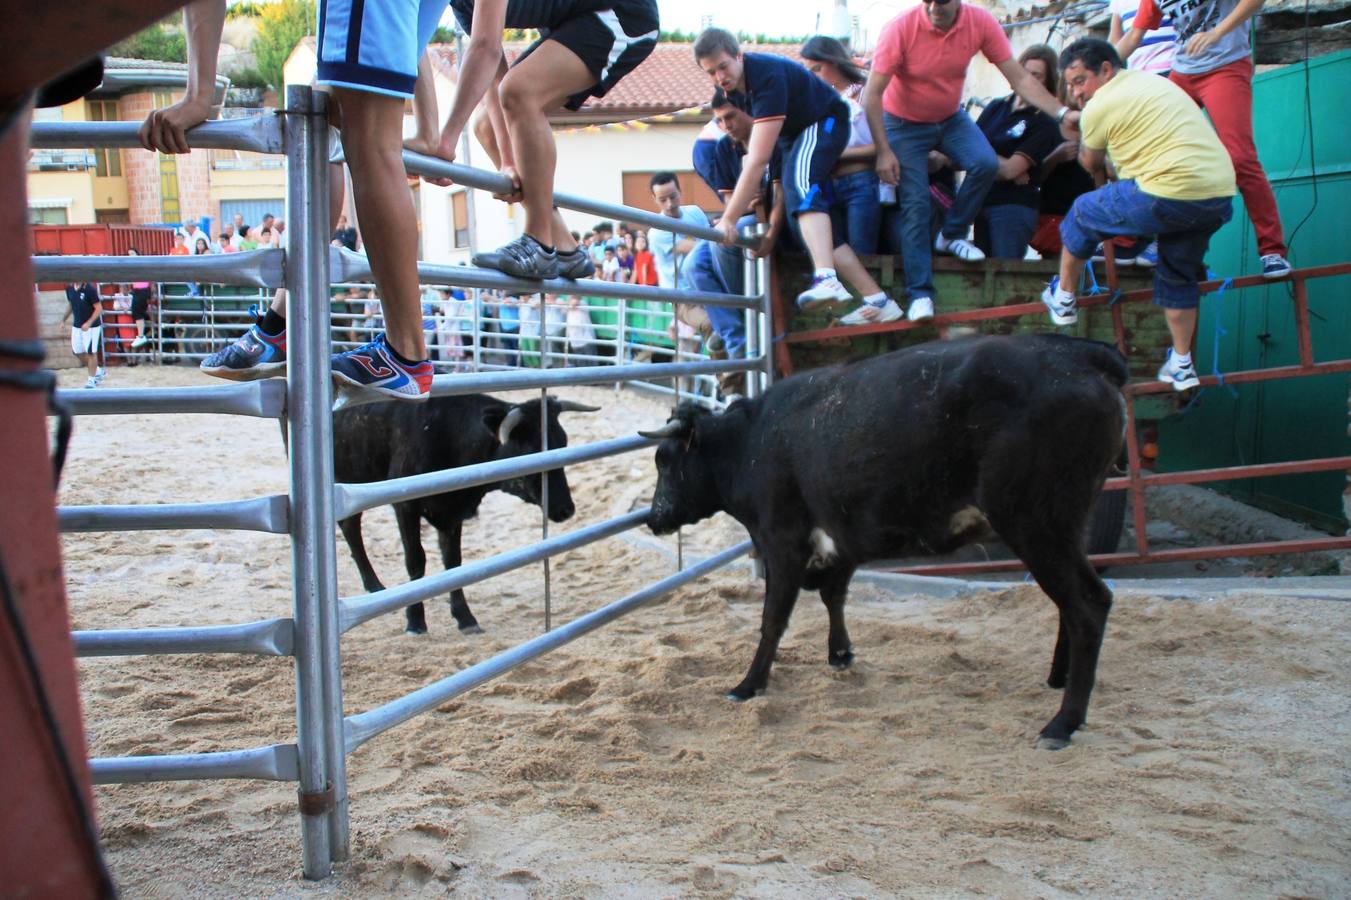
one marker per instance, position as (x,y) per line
(1071,267)
(373,140)
(815,228)
(851,270)
(1182,326)
(546,78)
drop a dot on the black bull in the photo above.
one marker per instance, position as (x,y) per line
(915,452)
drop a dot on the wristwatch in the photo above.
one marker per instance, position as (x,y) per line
(1060,115)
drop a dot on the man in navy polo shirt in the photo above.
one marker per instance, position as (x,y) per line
(809,121)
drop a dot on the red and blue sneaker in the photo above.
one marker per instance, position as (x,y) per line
(252,356)
(374,368)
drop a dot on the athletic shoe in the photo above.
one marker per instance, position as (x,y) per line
(254,355)
(521,258)
(1062,311)
(921,308)
(1275,266)
(93,382)
(141,341)
(1123,256)
(887,312)
(1149,256)
(824,289)
(1182,378)
(575,264)
(373,367)
(959,247)
(99,374)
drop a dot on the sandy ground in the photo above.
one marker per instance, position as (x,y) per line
(1213,764)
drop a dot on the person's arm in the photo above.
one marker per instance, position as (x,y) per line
(777,217)
(481,65)
(1115,31)
(1129,42)
(888,166)
(166,129)
(764,133)
(1011,168)
(1240,14)
(1146,17)
(1093,161)
(426,116)
(1030,88)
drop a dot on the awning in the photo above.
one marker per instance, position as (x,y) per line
(50,202)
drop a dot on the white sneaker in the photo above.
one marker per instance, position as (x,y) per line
(959,247)
(868,314)
(1182,378)
(824,289)
(920,308)
(141,341)
(1275,266)
(1061,309)
(93,382)
(100,374)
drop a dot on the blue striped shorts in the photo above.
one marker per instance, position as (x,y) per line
(374,45)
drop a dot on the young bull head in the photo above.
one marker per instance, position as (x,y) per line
(518,430)
(687,487)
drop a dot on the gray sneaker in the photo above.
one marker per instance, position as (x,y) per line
(521,258)
(575,263)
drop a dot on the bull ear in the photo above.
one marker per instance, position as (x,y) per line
(672,428)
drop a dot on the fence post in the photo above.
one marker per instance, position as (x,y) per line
(323,789)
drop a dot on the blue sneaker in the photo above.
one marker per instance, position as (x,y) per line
(253,356)
(1181,377)
(1148,257)
(372,367)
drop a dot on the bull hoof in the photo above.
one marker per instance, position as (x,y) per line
(471,629)
(413,629)
(1052,743)
(741,694)
(841,660)
(1056,680)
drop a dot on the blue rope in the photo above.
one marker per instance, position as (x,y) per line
(1219,332)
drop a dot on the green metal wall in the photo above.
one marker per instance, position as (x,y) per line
(1301,418)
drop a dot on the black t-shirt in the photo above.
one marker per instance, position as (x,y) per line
(779,88)
(724,168)
(347,237)
(1010,131)
(1061,186)
(82,300)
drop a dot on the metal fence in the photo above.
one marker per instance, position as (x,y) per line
(317,759)
(486,330)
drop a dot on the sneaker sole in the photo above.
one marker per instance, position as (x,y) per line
(577,272)
(1184,385)
(507,267)
(343,383)
(1274,275)
(1062,319)
(253,373)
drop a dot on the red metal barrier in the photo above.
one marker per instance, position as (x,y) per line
(1136,480)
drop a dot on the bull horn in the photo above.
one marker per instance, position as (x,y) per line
(672,428)
(513,418)
(574,406)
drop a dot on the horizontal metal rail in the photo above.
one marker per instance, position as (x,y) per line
(1260,470)
(350,499)
(1251,376)
(418,164)
(521,379)
(278,762)
(364,726)
(270,514)
(265,399)
(253,268)
(1182,554)
(259,134)
(352,611)
(274,637)
(356,267)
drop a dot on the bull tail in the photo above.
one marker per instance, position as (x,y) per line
(1108,361)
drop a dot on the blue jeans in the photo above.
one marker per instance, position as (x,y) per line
(961,141)
(856,215)
(1003,231)
(702,272)
(1184,228)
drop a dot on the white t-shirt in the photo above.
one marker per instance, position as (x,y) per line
(1155,53)
(609,269)
(662,244)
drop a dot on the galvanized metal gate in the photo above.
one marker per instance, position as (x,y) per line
(308,514)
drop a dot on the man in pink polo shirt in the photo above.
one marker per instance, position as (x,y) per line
(914,96)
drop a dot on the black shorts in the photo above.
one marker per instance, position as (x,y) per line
(140,304)
(611,42)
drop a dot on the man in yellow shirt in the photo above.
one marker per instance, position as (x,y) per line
(1176,181)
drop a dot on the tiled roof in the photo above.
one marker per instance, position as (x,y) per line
(667,81)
